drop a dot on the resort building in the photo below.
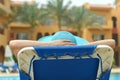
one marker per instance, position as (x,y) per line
(5,13)
(105,30)
(109,15)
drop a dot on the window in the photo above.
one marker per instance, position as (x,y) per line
(47,22)
(22,36)
(2,28)
(96,37)
(100,19)
(1,31)
(39,35)
(11,36)
(97,19)
(46,34)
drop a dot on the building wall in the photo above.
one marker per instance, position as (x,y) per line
(88,33)
(25,28)
(116,13)
(15,28)
(106,29)
(3,40)
(51,29)
(45,29)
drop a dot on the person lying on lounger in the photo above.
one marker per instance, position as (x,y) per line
(60,38)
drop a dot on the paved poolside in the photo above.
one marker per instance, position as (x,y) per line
(9,74)
(115,70)
(12,76)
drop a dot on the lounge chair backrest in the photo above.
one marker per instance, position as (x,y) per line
(65,62)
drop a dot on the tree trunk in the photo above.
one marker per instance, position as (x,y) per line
(31,33)
(59,23)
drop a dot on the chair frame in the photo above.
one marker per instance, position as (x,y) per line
(36,56)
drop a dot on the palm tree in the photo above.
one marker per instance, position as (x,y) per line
(77,17)
(96,21)
(29,14)
(80,17)
(57,10)
(3,12)
(117,1)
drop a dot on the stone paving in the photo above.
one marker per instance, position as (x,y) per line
(115,70)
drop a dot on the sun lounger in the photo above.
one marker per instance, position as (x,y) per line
(14,68)
(65,62)
(4,69)
(8,69)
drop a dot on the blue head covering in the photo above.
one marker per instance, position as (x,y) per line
(64,35)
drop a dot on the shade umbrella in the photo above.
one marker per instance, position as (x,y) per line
(9,61)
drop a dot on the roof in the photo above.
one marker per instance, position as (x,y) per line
(17,3)
(16,25)
(99,6)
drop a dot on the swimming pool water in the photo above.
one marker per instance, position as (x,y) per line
(112,77)
(115,77)
(9,78)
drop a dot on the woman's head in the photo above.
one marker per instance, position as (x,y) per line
(64,35)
